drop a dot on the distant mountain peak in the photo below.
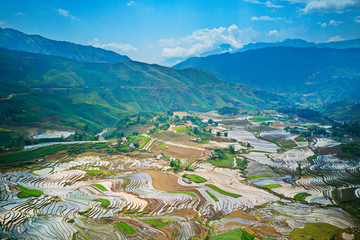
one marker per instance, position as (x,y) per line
(13,39)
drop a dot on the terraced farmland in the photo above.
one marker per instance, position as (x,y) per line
(137,196)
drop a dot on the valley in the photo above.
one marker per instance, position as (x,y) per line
(184,175)
(239,140)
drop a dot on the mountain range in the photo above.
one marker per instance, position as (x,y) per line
(310,75)
(58,90)
(354,43)
(49,83)
(228,48)
(15,40)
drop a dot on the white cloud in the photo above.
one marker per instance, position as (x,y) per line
(117,47)
(204,40)
(130,3)
(274,33)
(1,22)
(335,23)
(331,23)
(268,4)
(357,19)
(65,13)
(265,18)
(335,39)
(272,5)
(323,25)
(312,6)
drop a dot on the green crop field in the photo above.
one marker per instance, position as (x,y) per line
(180,129)
(163,145)
(156,223)
(99,186)
(143,141)
(260,176)
(271,186)
(126,228)
(212,196)
(18,157)
(94,172)
(26,192)
(195,178)
(315,231)
(301,196)
(226,161)
(189,193)
(222,191)
(261,119)
(236,234)
(104,202)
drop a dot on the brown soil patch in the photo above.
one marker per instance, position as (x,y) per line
(239,214)
(181,114)
(329,150)
(139,128)
(236,122)
(186,213)
(166,181)
(177,152)
(279,125)
(263,231)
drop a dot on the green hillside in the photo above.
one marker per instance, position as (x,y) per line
(347,110)
(309,76)
(78,94)
(16,40)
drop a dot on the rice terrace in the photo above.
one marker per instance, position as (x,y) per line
(181,120)
(174,186)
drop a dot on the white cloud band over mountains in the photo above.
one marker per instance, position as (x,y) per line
(117,47)
(204,40)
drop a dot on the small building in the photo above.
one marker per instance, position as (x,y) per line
(207,152)
(123,139)
(114,144)
(158,157)
(131,145)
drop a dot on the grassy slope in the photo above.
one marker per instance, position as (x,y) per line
(126,86)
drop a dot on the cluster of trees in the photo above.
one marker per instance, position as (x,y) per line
(352,128)
(306,113)
(312,131)
(229,111)
(176,165)
(350,150)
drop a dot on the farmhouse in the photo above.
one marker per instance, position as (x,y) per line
(207,152)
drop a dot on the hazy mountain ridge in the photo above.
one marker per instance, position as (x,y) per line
(15,40)
(354,43)
(287,70)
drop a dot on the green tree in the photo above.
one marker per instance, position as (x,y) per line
(231,149)
(218,134)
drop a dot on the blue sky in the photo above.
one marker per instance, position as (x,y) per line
(153,31)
